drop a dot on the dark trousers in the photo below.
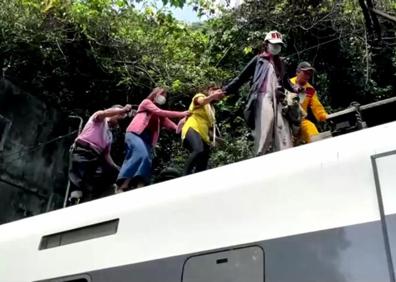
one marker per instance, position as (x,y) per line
(90,173)
(199,152)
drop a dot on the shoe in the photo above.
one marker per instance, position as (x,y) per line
(75,198)
(117,190)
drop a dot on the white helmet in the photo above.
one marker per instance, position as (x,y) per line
(274,37)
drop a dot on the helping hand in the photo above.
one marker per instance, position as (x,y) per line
(186,114)
(127,108)
(218,94)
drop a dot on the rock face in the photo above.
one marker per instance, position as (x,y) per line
(33,171)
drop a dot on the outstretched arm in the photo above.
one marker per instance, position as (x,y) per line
(243,77)
(167,123)
(317,109)
(202,100)
(101,115)
(151,107)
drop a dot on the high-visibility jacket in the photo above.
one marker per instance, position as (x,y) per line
(310,99)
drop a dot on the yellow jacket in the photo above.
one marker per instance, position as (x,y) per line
(202,119)
(311,100)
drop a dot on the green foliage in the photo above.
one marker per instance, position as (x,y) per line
(83,55)
(346,59)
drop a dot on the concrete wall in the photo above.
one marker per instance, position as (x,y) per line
(33,175)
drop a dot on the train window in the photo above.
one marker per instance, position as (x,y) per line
(5,125)
(74,278)
(79,234)
(386,182)
(243,264)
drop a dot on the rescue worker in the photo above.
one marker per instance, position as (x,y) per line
(308,99)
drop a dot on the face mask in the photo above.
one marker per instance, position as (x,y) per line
(160,100)
(274,49)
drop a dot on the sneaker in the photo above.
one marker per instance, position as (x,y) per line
(117,189)
(75,197)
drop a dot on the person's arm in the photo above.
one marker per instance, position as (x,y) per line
(167,123)
(149,106)
(317,108)
(101,115)
(202,100)
(243,77)
(110,160)
(287,84)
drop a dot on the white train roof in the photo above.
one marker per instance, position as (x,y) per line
(319,186)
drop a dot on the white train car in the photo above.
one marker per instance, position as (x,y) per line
(319,212)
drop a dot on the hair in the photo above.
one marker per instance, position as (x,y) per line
(264,47)
(210,86)
(155,92)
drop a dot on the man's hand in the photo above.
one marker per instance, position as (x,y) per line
(298,89)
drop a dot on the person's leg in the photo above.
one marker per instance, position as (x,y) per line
(264,121)
(83,165)
(123,180)
(137,163)
(143,175)
(283,138)
(203,161)
(75,196)
(106,179)
(123,186)
(194,144)
(308,130)
(139,182)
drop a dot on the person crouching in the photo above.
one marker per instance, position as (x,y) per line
(91,164)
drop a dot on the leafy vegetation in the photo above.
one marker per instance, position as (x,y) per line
(81,55)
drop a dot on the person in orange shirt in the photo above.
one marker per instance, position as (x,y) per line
(308,99)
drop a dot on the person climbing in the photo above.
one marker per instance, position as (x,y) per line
(196,131)
(308,99)
(141,136)
(263,111)
(91,153)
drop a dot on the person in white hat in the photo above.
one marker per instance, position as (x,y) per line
(263,111)
(274,42)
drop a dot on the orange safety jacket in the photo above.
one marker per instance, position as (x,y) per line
(311,100)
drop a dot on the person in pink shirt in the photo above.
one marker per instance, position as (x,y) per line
(141,136)
(91,166)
